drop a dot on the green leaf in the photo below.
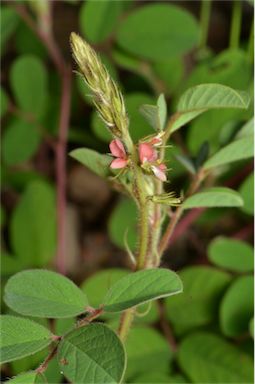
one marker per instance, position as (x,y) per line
(100,282)
(159,377)
(246,192)
(42,293)
(28,378)
(4,101)
(171,72)
(33,225)
(29,84)
(92,354)
(204,97)
(237,150)
(197,305)
(146,33)
(93,160)
(147,351)
(10,264)
(123,223)
(104,14)
(214,197)
(21,337)
(138,128)
(156,114)
(9,22)
(236,307)
(27,42)
(206,358)
(141,287)
(247,130)
(232,254)
(13,152)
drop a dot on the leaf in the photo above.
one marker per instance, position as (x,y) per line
(28,378)
(21,337)
(93,160)
(138,128)
(214,198)
(9,22)
(236,307)
(104,14)
(232,254)
(141,287)
(10,264)
(92,354)
(198,304)
(42,293)
(100,282)
(204,97)
(206,358)
(171,72)
(123,222)
(147,352)
(237,150)
(247,130)
(29,84)
(247,195)
(15,133)
(159,377)
(33,225)
(4,102)
(146,33)
(155,114)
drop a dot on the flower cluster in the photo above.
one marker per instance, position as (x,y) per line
(148,157)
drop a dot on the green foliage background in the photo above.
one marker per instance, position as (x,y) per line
(205,334)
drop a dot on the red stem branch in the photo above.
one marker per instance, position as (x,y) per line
(61,148)
(64,117)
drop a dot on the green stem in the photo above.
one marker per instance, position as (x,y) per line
(205,12)
(126,321)
(235,28)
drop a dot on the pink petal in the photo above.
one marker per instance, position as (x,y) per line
(117,149)
(147,153)
(118,163)
(160,174)
(162,166)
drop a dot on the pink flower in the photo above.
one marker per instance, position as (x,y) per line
(149,159)
(117,150)
(159,171)
(147,153)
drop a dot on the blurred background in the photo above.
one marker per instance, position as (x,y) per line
(56,213)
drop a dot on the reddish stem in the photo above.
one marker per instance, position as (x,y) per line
(45,35)
(61,148)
